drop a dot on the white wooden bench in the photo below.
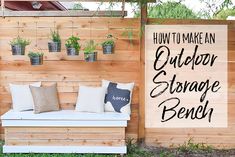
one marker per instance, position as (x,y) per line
(65,131)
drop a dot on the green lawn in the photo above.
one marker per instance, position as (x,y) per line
(189,149)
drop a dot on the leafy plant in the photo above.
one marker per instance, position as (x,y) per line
(166,154)
(55,36)
(72,42)
(133,150)
(223,14)
(194,147)
(213,7)
(109,40)
(20,41)
(35,54)
(90,47)
(129,33)
(79,6)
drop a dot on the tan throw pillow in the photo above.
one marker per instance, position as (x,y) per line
(45,98)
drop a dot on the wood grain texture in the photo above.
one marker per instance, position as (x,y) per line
(16,136)
(123,66)
(70,72)
(217,137)
(63,13)
(143,21)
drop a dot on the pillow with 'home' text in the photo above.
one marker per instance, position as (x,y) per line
(118,96)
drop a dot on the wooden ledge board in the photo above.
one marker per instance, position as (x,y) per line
(63,13)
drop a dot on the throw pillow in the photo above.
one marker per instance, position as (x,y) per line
(118,96)
(22,99)
(90,99)
(45,98)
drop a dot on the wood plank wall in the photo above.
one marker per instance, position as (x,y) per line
(124,66)
(70,72)
(219,137)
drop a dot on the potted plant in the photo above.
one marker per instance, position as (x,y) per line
(36,58)
(18,45)
(55,45)
(89,51)
(72,45)
(108,45)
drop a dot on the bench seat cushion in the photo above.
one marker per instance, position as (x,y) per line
(64,118)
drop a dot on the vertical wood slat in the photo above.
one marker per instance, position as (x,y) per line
(141,132)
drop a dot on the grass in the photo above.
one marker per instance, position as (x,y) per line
(166,154)
(189,149)
(133,150)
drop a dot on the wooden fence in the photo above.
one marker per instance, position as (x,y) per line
(70,72)
(123,66)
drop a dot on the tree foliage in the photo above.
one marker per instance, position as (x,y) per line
(78,6)
(223,14)
(214,7)
(170,9)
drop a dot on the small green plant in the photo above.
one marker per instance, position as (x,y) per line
(133,150)
(35,54)
(72,42)
(90,47)
(190,147)
(55,36)
(109,40)
(130,34)
(20,41)
(166,154)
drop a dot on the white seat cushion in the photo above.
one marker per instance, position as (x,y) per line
(64,118)
(65,115)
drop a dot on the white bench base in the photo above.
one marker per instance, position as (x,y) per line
(64,149)
(64,131)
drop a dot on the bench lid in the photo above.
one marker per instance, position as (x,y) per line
(65,115)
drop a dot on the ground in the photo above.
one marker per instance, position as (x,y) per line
(189,149)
